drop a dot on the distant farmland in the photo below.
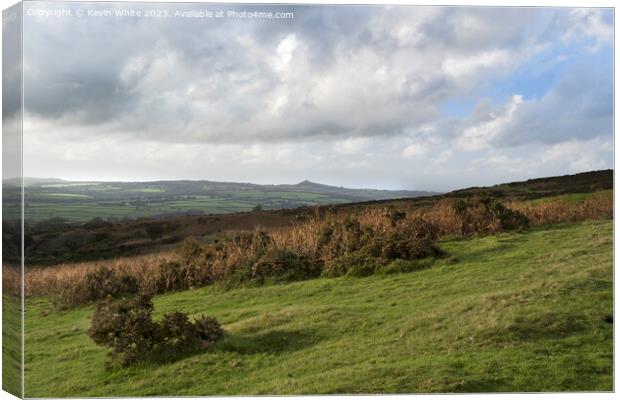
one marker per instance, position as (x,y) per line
(83,201)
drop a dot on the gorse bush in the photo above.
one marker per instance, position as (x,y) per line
(281,265)
(97,284)
(487,215)
(208,330)
(127,328)
(177,330)
(360,250)
(173,275)
(509,220)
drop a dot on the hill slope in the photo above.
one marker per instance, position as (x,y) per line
(514,312)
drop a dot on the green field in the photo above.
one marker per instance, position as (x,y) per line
(513,312)
(81,212)
(83,201)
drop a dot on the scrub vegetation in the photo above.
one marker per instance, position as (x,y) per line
(476,292)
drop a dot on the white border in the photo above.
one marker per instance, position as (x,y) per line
(512,3)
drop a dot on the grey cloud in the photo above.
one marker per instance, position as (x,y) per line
(11,63)
(187,80)
(580,107)
(473,28)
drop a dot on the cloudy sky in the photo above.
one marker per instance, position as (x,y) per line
(431,98)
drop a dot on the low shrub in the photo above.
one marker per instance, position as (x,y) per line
(487,215)
(190,269)
(509,220)
(369,248)
(97,284)
(208,330)
(127,328)
(409,240)
(281,265)
(177,330)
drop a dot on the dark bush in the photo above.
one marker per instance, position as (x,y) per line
(279,265)
(173,275)
(177,330)
(208,330)
(410,240)
(357,263)
(127,328)
(488,215)
(371,251)
(508,219)
(97,285)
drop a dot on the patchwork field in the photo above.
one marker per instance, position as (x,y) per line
(509,312)
(83,201)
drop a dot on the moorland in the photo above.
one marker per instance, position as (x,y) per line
(489,289)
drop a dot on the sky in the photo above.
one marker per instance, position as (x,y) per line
(401,97)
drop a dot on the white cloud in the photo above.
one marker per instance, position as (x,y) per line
(444,156)
(589,22)
(464,66)
(481,133)
(580,155)
(414,151)
(352,145)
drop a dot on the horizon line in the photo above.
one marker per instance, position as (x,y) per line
(218,181)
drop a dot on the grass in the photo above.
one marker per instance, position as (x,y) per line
(513,312)
(11,345)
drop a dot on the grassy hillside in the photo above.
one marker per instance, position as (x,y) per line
(513,312)
(11,345)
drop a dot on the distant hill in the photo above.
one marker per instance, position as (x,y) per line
(373,194)
(84,200)
(30,181)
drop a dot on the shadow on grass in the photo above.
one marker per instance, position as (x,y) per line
(273,342)
(543,326)
(499,248)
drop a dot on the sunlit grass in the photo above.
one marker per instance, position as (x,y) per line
(513,312)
